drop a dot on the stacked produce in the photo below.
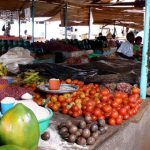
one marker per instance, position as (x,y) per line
(3,70)
(30,77)
(96,102)
(14,91)
(51,46)
(82,132)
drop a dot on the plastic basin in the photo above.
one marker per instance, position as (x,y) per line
(44,123)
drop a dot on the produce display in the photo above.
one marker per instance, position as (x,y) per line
(19,126)
(14,91)
(51,46)
(11,147)
(3,70)
(96,102)
(30,77)
(82,132)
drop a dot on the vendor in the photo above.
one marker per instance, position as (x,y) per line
(137,47)
(7,30)
(126,48)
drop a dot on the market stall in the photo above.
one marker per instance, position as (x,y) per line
(94,105)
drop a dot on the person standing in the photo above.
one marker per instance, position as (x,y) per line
(126,48)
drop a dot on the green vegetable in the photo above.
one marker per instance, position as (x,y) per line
(19,126)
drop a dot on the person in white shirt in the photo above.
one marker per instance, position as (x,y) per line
(126,48)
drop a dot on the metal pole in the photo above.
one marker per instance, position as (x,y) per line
(45,29)
(33,11)
(65,19)
(19,23)
(144,68)
(90,22)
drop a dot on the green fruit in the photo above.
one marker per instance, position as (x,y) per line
(19,126)
(11,147)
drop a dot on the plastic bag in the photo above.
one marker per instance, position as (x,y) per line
(14,57)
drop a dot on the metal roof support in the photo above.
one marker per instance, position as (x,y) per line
(66,19)
(33,13)
(90,22)
(45,29)
(19,23)
(146,46)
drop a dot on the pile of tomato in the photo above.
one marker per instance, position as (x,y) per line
(96,102)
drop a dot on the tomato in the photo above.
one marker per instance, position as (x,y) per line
(93,91)
(74,108)
(119,121)
(64,110)
(97,112)
(127,107)
(122,111)
(104,91)
(58,104)
(112,121)
(132,105)
(101,117)
(135,90)
(114,104)
(124,95)
(94,118)
(61,98)
(118,100)
(64,104)
(114,114)
(107,115)
(55,107)
(126,117)
(118,94)
(70,112)
(99,105)
(120,116)
(130,112)
(105,98)
(132,99)
(89,108)
(68,100)
(75,114)
(107,108)
(50,104)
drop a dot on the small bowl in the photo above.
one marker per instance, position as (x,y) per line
(44,123)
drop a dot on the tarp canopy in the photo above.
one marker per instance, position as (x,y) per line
(129,13)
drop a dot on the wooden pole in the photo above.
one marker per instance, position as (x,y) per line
(33,13)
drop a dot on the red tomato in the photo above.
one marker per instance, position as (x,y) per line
(94,118)
(118,94)
(114,104)
(130,112)
(104,91)
(124,95)
(64,110)
(107,108)
(122,111)
(61,98)
(120,116)
(75,108)
(99,105)
(68,100)
(126,117)
(132,99)
(119,121)
(55,107)
(114,114)
(75,114)
(105,98)
(70,112)
(97,112)
(127,107)
(139,100)
(89,108)
(64,104)
(93,91)
(112,121)
(135,90)
(118,100)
